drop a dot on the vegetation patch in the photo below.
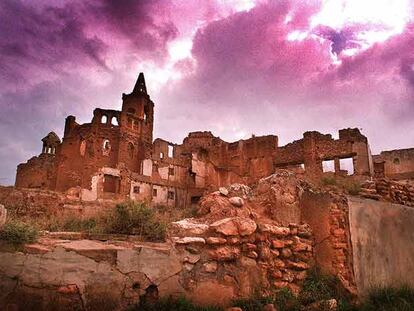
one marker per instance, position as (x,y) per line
(17,232)
(169,304)
(136,218)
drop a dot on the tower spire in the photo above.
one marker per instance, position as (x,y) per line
(140,86)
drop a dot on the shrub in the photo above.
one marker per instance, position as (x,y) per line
(17,232)
(252,304)
(353,188)
(285,300)
(318,286)
(169,304)
(328,181)
(78,224)
(389,299)
(136,218)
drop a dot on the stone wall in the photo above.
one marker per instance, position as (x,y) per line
(327,215)
(315,148)
(388,190)
(382,239)
(38,172)
(209,263)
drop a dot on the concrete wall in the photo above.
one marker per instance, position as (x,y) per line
(382,239)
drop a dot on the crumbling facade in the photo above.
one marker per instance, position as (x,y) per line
(115,157)
(395,164)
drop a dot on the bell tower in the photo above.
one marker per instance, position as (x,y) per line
(136,125)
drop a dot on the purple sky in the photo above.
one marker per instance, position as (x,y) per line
(237,68)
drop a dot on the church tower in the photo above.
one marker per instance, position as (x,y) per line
(137,121)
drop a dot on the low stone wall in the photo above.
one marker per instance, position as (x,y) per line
(234,257)
(389,190)
(208,263)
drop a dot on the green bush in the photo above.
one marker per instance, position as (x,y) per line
(137,218)
(17,232)
(170,304)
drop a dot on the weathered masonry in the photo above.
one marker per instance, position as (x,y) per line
(115,157)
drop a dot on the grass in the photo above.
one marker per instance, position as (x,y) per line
(126,218)
(17,232)
(169,304)
(389,299)
(328,181)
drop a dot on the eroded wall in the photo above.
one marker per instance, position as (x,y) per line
(382,238)
(396,164)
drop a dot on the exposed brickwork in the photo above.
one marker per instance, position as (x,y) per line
(389,190)
(396,164)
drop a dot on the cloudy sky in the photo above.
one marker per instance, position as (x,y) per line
(236,67)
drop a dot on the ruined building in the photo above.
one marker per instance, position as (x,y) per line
(115,157)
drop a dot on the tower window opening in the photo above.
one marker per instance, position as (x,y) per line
(114,121)
(104,119)
(170,151)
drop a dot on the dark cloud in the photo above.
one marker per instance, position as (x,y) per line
(41,42)
(145,24)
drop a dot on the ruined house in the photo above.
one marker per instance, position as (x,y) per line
(115,157)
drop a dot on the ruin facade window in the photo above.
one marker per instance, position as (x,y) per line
(396,161)
(328,166)
(170,151)
(104,119)
(347,165)
(131,150)
(137,189)
(161,155)
(154,192)
(171,171)
(171,195)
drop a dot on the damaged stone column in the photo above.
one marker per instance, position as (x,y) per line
(337,166)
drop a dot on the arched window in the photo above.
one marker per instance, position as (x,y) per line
(114,121)
(396,161)
(104,119)
(131,150)
(106,147)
